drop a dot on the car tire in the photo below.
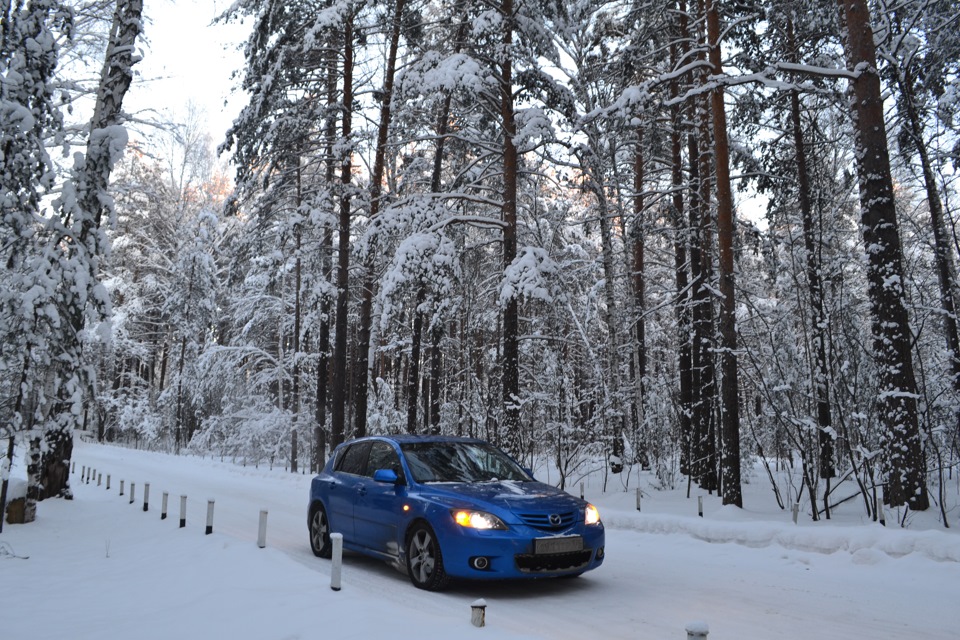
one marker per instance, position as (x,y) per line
(320,532)
(424,559)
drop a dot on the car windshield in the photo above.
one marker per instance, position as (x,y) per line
(460,462)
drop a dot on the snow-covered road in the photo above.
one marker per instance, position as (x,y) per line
(744,578)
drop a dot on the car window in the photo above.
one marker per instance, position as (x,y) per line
(383,456)
(460,462)
(354,459)
(493,464)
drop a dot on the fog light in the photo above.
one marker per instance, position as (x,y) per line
(600,553)
(479,562)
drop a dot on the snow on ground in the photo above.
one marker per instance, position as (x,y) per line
(100,568)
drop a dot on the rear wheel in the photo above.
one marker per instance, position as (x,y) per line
(320,532)
(424,560)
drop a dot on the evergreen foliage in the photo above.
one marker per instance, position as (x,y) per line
(512,221)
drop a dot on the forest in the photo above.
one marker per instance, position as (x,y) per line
(693,236)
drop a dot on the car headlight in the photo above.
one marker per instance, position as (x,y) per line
(591,515)
(477,519)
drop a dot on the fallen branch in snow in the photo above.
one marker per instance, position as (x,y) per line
(6,551)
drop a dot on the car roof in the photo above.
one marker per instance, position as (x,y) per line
(403,438)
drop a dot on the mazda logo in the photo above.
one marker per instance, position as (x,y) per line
(555,519)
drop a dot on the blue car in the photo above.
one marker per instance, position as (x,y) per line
(445,507)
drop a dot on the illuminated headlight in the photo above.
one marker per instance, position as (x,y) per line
(591,515)
(477,520)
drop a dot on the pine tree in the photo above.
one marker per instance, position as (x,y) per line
(730,394)
(904,474)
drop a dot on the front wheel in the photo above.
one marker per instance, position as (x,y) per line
(320,533)
(424,560)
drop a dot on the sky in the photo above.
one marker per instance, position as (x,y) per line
(101,568)
(188,59)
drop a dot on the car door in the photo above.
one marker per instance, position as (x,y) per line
(379,504)
(343,489)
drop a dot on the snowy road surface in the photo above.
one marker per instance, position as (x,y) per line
(746,578)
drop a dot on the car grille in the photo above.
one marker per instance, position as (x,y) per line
(542,520)
(551,563)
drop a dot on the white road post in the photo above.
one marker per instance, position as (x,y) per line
(133,491)
(700,506)
(478,613)
(336,540)
(108,482)
(262,534)
(638,498)
(183,511)
(697,630)
(146,496)
(209,516)
(163,506)
(121,487)
(880,514)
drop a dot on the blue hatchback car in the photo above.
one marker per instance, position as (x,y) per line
(447,507)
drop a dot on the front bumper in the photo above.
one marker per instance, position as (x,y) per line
(510,553)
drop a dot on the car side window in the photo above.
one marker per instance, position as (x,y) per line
(383,456)
(354,459)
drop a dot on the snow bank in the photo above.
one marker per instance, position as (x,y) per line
(820,538)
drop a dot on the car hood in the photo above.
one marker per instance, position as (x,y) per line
(514,496)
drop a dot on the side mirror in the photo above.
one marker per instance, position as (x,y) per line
(387,476)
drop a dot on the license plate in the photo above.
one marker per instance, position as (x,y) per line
(557,544)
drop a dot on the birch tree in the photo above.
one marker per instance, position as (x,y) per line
(85,209)
(72,237)
(28,116)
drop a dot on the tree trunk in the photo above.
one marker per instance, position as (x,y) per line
(703,379)
(178,427)
(323,367)
(34,481)
(510,358)
(436,371)
(681,241)
(326,262)
(904,473)
(295,374)
(4,473)
(613,385)
(413,379)
(362,368)
(946,270)
(339,400)
(13,427)
(91,181)
(639,286)
(443,124)
(821,380)
(729,391)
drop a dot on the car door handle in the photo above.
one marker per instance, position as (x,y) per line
(362,491)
